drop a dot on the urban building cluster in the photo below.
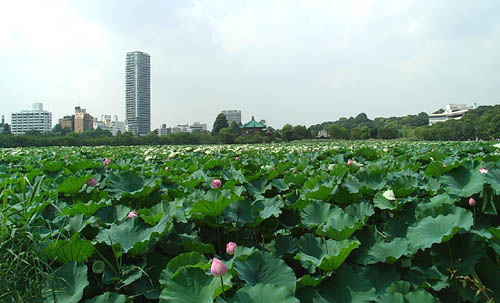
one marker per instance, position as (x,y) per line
(137,110)
(182,128)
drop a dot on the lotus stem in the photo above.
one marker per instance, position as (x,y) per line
(222,284)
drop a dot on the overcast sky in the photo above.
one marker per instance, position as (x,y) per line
(299,62)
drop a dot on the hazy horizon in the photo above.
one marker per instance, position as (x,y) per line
(298,62)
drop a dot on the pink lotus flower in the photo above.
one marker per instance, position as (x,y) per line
(166,168)
(107,161)
(483,170)
(218,269)
(91,182)
(472,201)
(216,183)
(132,214)
(349,162)
(230,248)
(236,158)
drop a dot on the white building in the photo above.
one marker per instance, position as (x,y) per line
(138,93)
(232,116)
(164,130)
(34,119)
(117,126)
(197,127)
(452,111)
(107,124)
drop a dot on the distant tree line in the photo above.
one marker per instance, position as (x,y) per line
(482,123)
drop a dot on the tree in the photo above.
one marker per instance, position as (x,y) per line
(287,133)
(337,132)
(220,123)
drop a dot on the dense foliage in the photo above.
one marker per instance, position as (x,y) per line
(360,222)
(482,123)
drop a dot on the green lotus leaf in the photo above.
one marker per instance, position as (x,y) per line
(81,165)
(66,284)
(316,213)
(285,244)
(258,187)
(192,259)
(131,233)
(263,293)
(321,192)
(430,230)
(108,297)
(493,178)
(269,207)
(88,209)
(72,185)
(315,253)
(192,284)
(263,267)
(382,202)
(213,204)
(307,280)
(129,183)
(462,181)
(347,285)
(340,225)
(362,211)
(389,252)
(373,180)
(74,249)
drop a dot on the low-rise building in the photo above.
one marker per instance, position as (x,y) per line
(83,120)
(35,119)
(197,127)
(68,122)
(452,111)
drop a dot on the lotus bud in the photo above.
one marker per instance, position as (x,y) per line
(91,182)
(349,162)
(107,161)
(216,183)
(444,165)
(236,158)
(166,168)
(218,269)
(230,248)
(132,214)
(472,201)
(294,171)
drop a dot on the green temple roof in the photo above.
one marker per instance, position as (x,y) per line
(253,124)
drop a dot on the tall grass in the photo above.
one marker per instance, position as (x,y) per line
(23,271)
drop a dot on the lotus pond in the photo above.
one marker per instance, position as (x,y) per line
(310,222)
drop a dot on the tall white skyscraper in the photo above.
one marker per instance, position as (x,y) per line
(138,93)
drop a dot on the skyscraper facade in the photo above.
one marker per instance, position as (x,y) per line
(232,116)
(138,93)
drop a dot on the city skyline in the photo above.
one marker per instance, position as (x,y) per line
(300,62)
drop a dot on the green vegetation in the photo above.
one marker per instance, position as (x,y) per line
(482,123)
(313,222)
